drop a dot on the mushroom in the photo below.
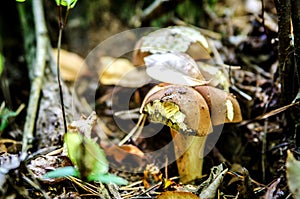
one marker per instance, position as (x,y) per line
(190,112)
(186,112)
(172,39)
(224,108)
(175,68)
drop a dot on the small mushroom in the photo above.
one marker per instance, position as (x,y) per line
(186,112)
(172,39)
(224,108)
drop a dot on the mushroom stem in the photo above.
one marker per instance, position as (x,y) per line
(189,155)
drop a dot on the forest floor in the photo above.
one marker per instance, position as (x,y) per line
(247,159)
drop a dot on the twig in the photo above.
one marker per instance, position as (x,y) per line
(38,73)
(264,149)
(35,185)
(59,82)
(263,15)
(136,129)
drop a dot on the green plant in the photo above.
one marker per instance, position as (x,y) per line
(89,160)
(62,24)
(5,114)
(68,3)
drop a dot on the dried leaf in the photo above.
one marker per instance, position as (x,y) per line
(272,190)
(209,187)
(42,164)
(128,156)
(177,195)
(70,64)
(121,72)
(293,174)
(119,153)
(84,125)
(152,175)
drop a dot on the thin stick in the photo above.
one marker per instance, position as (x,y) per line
(134,130)
(61,27)
(58,79)
(263,150)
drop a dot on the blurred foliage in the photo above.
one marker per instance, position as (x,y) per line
(6,113)
(1,63)
(125,10)
(195,12)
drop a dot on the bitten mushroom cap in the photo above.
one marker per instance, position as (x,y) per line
(180,107)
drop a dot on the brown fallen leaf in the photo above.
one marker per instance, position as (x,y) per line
(121,72)
(126,154)
(84,125)
(273,190)
(70,64)
(177,195)
(152,175)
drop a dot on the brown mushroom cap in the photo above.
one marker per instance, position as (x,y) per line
(224,107)
(172,39)
(180,107)
(138,55)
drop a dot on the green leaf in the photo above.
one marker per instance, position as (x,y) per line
(62,172)
(5,113)
(71,171)
(86,154)
(108,178)
(69,3)
(20,0)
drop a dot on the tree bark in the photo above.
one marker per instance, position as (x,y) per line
(296,28)
(285,49)
(288,13)
(295,115)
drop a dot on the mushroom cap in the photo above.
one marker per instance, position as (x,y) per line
(224,108)
(180,107)
(174,68)
(172,39)
(138,55)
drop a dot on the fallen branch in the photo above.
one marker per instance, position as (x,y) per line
(37,72)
